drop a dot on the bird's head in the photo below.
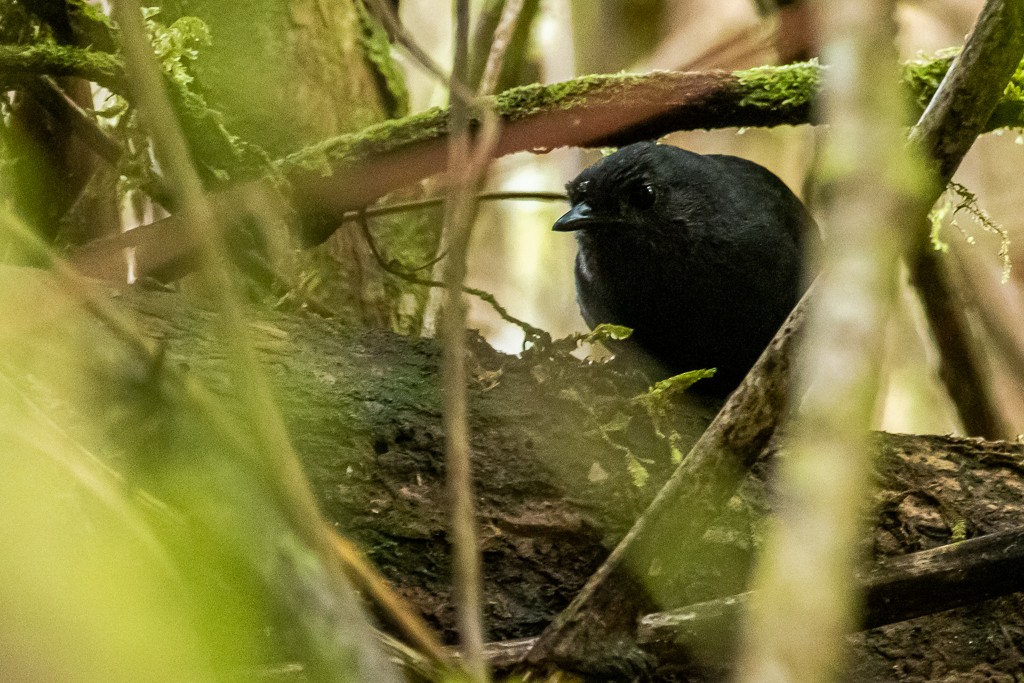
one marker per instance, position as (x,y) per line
(633,188)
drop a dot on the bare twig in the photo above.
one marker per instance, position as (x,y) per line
(531,334)
(397,31)
(46,91)
(402,207)
(368,579)
(460,209)
(467,164)
(488,16)
(963,368)
(499,46)
(52,97)
(896,589)
(999,306)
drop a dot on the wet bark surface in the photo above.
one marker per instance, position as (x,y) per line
(556,442)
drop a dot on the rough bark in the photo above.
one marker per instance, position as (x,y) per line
(313,71)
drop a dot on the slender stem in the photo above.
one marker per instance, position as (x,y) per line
(806,576)
(420,56)
(530,332)
(488,16)
(499,46)
(460,209)
(402,207)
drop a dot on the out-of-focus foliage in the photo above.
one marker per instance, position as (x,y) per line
(16,25)
(88,585)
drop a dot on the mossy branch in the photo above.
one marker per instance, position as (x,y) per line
(349,172)
(649,105)
(643,105)
(48,59)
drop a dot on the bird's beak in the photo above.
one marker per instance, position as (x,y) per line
(579,216)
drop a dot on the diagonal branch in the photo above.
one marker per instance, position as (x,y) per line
(611,601)
(956,115)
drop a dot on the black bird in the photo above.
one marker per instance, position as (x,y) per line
(699,254)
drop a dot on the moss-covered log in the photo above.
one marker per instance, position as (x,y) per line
(556,444)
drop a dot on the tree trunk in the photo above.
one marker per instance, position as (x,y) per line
(287,75)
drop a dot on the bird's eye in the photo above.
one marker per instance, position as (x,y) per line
(642,196)
(578,192)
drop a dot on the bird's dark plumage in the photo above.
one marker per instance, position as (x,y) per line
(699,254)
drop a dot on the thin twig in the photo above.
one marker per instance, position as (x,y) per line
(459,213)
(402,207)
(419,55)
(532,334)
(499,46)
(487,19)
(52,97)
(999,306)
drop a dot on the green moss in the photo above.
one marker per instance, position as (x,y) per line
(90,12)
(772,87)
(767,87)
(380,137)
(923,74)
(658,402)
(967,202)
(377,50)
(222,154)
(513,104)
(58,60)
(527,100)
